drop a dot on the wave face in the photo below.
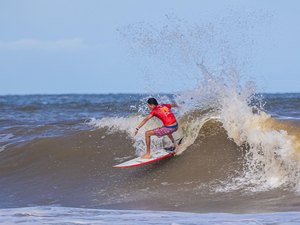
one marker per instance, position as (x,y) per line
(233,155)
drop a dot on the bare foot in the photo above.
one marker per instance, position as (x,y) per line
(146,156)
(176,149)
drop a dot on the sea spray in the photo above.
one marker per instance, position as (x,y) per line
(203,55)
(269,160)
(268,153)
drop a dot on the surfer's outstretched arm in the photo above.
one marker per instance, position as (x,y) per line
(142,123)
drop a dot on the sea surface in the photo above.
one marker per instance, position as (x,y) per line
(239,162)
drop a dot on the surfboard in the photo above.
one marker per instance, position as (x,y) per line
(155,156)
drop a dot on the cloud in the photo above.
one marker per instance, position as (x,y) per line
(43,45)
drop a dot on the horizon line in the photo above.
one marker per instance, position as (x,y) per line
(124,93)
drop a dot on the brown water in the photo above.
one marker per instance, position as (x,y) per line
(76,171)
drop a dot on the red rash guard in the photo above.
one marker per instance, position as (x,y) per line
(163,112)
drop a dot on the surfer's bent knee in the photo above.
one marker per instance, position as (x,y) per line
(149,133)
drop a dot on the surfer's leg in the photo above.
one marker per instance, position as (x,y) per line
(148,135)
(173,140)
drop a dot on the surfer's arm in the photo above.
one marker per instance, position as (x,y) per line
(143,123)
(174,105)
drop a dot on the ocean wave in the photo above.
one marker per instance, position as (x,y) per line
(231,147)
(77,170)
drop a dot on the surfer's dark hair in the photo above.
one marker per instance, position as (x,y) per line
(152,101)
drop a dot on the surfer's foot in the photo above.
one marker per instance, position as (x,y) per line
(146,156)
(172,148)
(175,146)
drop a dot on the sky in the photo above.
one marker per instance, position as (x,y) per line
(75,46)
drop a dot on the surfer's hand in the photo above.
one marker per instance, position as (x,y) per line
(136,130)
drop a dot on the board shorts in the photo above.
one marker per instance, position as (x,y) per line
(162,131)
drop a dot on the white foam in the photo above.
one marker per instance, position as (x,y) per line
(187,129)
(67,215)
(270,161)
(128,125)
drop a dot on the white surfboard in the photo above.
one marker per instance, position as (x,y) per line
(155,156)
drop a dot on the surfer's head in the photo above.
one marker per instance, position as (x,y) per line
(152,102)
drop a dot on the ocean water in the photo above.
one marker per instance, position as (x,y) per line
(62,215)
(238,164)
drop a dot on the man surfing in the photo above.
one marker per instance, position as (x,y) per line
(164,113)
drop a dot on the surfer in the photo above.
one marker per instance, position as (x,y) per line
(164,113)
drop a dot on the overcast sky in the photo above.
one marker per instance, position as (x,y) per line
(75,46)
